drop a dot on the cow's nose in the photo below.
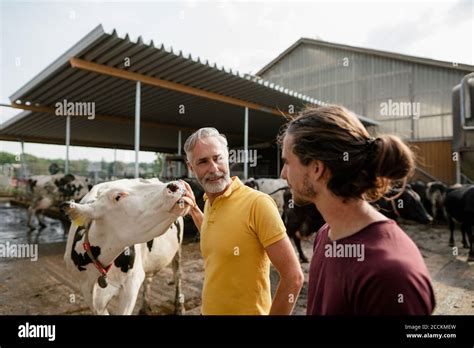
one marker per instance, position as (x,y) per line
(172,187)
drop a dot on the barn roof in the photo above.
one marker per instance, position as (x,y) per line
(367,51)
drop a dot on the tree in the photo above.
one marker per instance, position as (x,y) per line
(6,157)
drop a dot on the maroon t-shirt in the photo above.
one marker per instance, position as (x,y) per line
(378,270)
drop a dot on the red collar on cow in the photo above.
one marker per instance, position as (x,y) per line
(102,280)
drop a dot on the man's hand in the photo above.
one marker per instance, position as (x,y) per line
(189,192)
(195,212)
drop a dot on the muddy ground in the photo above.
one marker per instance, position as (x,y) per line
(44,286)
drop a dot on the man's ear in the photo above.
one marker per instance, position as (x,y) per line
(318,169)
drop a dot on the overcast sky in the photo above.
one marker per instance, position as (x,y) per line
(243,36)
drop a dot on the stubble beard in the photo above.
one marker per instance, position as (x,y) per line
(308,193)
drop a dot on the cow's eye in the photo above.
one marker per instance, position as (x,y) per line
(120,195)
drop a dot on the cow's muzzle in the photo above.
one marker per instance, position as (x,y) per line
(173,187)
(178,187)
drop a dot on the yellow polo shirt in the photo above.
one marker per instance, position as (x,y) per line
(235,231)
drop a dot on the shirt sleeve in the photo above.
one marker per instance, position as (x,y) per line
(268,224)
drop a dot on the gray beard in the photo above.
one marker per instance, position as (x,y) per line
(217,187)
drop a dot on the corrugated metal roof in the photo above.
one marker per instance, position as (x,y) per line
(403,57)
(160,108)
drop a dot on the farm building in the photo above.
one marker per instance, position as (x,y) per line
(408,96)
(112,91)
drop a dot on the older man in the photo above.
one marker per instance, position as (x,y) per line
(241,232)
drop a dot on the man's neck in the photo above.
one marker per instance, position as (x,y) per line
(345,218)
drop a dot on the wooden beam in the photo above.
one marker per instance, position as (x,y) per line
(116,119)
(157,82)
(119,119)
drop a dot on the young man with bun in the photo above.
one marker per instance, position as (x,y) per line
(363,262)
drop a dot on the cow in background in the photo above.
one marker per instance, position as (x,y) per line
(459,204)
(420,188)
(46,191)
(432,196)
(436,194)
(273,187)
(407,206)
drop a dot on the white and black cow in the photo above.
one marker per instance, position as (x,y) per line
(124,232)
(51,190)
(459,204)
(273,187)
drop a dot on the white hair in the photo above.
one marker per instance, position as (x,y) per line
(204,133)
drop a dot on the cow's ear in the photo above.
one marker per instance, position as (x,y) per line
(80,214)
(117,196)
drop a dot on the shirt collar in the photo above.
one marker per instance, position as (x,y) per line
(235,185)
